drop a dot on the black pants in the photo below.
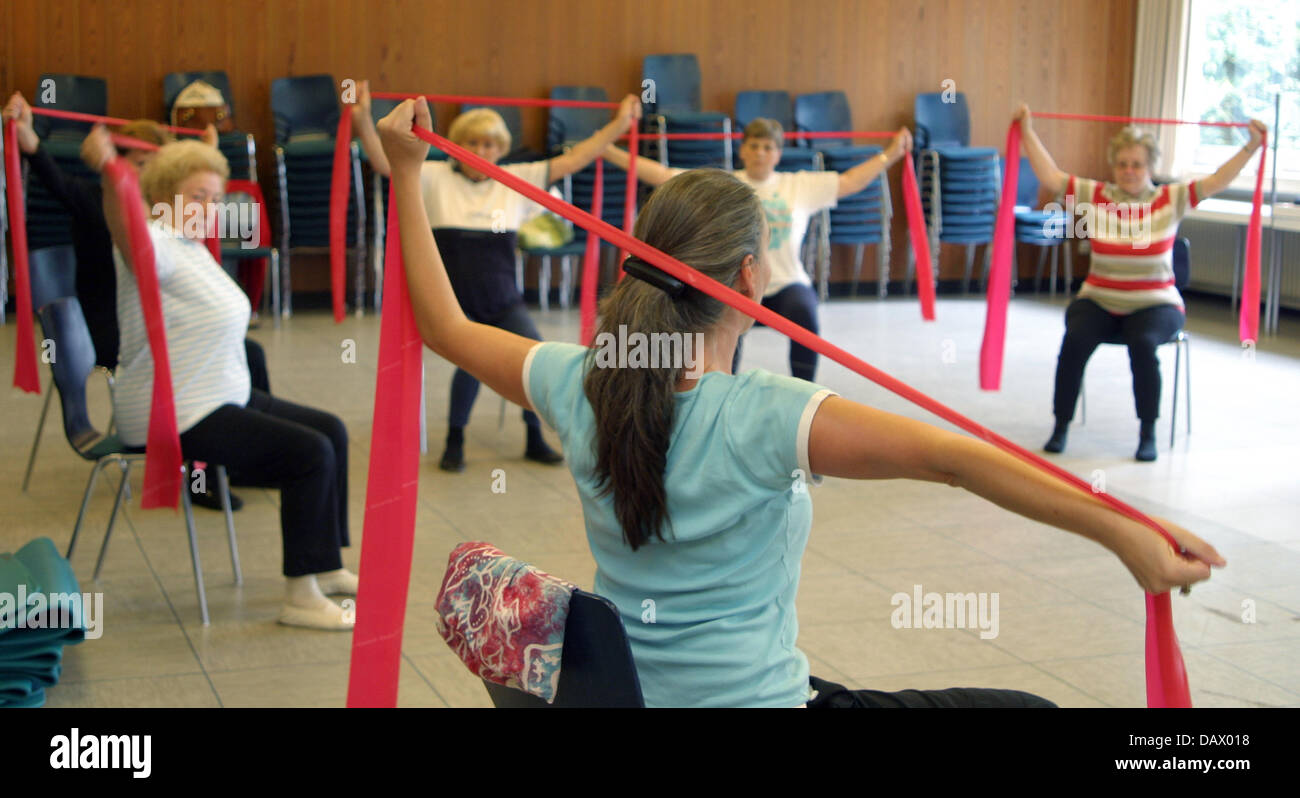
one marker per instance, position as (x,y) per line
(798,303)
(1087,325)
(257,365)
(272,443)
(836,696)
(464,388)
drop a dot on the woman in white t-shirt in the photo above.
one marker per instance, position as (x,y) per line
(263,440)
(789,200)
(476,223)
(693,480)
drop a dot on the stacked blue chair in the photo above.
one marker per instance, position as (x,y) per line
(306,113)
(858,219)
(240,150)
(1042,229)
(48,225)
(676,109)
(751,105)
(959,183)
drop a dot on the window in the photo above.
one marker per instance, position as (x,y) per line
(1240,55)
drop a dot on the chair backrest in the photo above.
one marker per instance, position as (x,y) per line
(53,274)
(1027,187)
(823,110)
(795,159)
(81,93)
(73,360)
(751,105)
(676,84)
(1182,262)
(569,125)
(596,668)
(941,122)
(175,82)
(307,104)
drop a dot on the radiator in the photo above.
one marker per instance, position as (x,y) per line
(1216,248)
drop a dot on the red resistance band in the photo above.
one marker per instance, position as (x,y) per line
(1166,675)
(340,179)
(999,291)
(163,466)
(25,370)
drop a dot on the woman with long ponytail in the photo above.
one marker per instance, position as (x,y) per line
(693,481)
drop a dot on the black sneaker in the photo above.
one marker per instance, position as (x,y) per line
(1056,443)
(541,453)
(453,460)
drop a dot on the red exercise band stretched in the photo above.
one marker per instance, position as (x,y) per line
(999,283)
(1166,676)
(107,120)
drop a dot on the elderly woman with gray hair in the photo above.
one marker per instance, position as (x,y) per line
(222,418)
(1130,288)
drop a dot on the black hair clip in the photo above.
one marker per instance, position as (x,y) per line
(655,276)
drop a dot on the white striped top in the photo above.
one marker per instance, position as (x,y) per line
(206,315)
(1132,242)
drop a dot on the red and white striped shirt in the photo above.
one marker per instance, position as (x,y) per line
(1132,242)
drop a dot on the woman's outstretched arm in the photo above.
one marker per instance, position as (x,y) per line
(859,177)
(492,355)
(648,170)
(587,150)
(858,442)
(1049,174)
(364,126)
(1209,186)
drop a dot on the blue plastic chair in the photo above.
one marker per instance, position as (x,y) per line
(306,113)
(823,111)
(596,666)
(63,323)
(570,125)
(862,218)
(1042,229)
(676,109)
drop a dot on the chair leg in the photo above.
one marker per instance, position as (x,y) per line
(85,502)
(1173,414)
(194,551)
(857,268)
(1083,402)
(566,281)
(970,264)
(1038,273)
(544,284)
(125,466)
(519,272)
(36,442)
(1053,294)
(223,486)
(1187,342)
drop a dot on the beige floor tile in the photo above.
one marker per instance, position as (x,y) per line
(136,650)
(191,690)
(1119,680)
(866,649)
(1065,630)
(320,685)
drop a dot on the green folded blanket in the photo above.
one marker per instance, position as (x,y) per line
(41,610)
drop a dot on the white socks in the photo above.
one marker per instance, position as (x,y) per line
(337,583)
(305,605)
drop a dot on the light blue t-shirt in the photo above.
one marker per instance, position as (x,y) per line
(720,589)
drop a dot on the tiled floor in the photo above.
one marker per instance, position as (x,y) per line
(1070,619)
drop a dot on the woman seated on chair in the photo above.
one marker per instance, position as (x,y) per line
(789,199)
(692,479)
(1129,292)
(96,278)
(268,441)
(476,222)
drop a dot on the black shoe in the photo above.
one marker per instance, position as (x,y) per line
(541,453)
(1056,443)
(212,501)
(453,459)
(1146,443)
